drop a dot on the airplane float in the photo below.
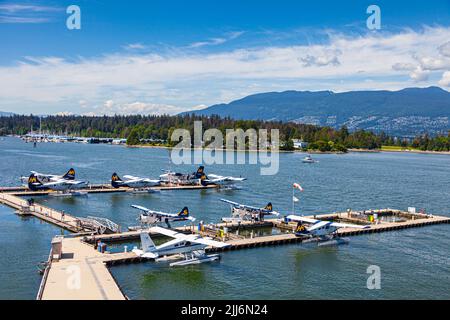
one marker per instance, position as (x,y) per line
(191,246)
(152,217)
(241,212)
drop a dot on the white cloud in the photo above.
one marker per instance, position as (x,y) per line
(217,41)
(445,49)
(445,81)
(419,74)
(135,46)
(403,66)
(26,13)
(429,63)
(181,79)
(109,107)
(13,8)
(322,59)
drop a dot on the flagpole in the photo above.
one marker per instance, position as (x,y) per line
(293,202)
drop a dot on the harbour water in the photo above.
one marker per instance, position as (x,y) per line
(415,263)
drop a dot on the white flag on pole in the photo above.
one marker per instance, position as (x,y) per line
(295,199)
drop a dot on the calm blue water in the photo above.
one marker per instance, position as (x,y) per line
(414,263)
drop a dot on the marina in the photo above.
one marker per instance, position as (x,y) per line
(103,271)
(98,283)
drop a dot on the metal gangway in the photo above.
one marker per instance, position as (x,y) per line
(100,225)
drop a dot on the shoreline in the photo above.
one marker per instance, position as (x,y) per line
(400,151)
(309,151)
(351,150)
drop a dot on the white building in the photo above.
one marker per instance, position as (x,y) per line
(299,144)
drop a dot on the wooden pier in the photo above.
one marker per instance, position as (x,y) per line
(79,255)
(81,272)
(101,188)
(55,217)
(11,196)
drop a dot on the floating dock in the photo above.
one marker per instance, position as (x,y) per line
(11,196)
(75,270)
(102,188)
(98,282)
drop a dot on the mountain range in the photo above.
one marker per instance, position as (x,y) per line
(410,111)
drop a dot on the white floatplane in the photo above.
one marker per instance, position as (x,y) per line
(190,246)
(227,181)
(46,177)
(183,178)
(62,185)
(152,217)
(324,230)
(241,212)
(133,182)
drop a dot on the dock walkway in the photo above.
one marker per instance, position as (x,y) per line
(97,282)
(58,218)
(80,274)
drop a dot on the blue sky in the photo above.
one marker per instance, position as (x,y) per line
(161,56)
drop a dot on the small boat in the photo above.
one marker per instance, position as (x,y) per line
(308,159)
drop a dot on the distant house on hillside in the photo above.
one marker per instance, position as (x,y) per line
(299,144)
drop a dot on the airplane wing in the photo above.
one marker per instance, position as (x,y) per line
(319,225)
(231,202)
(167,232)
(152,181)
(158,213)
(346,225)
(191,238)
(73,182)
(140,208)
(302,219)
(236,179)
(131,177)
(209,242)
(216,178)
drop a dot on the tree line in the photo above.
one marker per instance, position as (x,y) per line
(157,129)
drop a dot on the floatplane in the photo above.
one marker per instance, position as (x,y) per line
(324,231)
(46,177)
(242,212)
(152,217)
(138,184)
(228,182)
(189,247)
(64,187)
(199,177)
(183,178)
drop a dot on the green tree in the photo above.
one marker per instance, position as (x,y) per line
(133,137)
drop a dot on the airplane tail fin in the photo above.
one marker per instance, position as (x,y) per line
(33,182)
(269,207)
(300,229)
(203,179)
(70,175)
(184,212)
(200,172)
(115,180)
(147,243)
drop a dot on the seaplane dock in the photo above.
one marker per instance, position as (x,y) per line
(76,253)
